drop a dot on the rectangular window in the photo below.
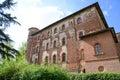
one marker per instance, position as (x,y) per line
(98,49)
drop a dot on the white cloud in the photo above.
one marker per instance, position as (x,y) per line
(32,16)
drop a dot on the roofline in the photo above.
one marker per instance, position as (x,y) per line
(118,33)
(94,4)
(101,31)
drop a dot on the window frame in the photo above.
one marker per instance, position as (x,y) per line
(48,34)
(54,59)
(63,57)
(55,30)
(98,49)
(55,43)
(63,27)
(47,46)
(63,41)
(79,20)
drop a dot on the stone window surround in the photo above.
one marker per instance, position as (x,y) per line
(98,50)
(63,41)
(54,53)
(55,30)
(54,59)
(79,20)
(63,27)
(63,57)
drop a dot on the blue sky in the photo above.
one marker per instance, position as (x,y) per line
(40,13)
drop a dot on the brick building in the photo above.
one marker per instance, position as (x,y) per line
(81,41)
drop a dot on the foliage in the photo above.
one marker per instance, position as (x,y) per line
(22,70)
(96,76)
(22,48)
(5,20)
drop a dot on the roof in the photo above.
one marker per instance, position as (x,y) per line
(93,5)
(102,31)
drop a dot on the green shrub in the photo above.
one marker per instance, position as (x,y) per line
(9,68)
(76,76)
(21,70)
(46,73)
(95,76)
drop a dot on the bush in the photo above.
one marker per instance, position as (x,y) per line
(19,70)
(96,76)
(9,68)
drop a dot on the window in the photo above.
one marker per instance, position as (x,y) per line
(79,20)
(80,34)
(55,30)
(82,54)
(63,57)
(55,44)
(100,68)
(47,46)
(98,48)
(48,33)
(46,60)
(54,59)
(63,27)
(39,37)
(63,41)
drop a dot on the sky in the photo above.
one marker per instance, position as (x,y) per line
(40,13)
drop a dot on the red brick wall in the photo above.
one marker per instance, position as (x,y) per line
(108,48)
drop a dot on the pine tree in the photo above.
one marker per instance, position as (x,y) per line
(5,20)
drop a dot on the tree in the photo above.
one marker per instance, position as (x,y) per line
(5,20)
(22,48)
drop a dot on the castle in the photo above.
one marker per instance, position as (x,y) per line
(81,42)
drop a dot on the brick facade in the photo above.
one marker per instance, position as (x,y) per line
(79,42)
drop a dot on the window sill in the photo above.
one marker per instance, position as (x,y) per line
(102,53)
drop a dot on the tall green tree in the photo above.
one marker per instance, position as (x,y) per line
(22,50)
(5,20)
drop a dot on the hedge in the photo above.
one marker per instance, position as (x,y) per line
(95,76)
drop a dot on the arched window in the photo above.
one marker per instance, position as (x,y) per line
(48,33)
(98,48)
(79,20)
(55,30)
(46,60)
(63,41)
(54,59)
(55,44)
(63,27)
(47,46)
(63,57)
